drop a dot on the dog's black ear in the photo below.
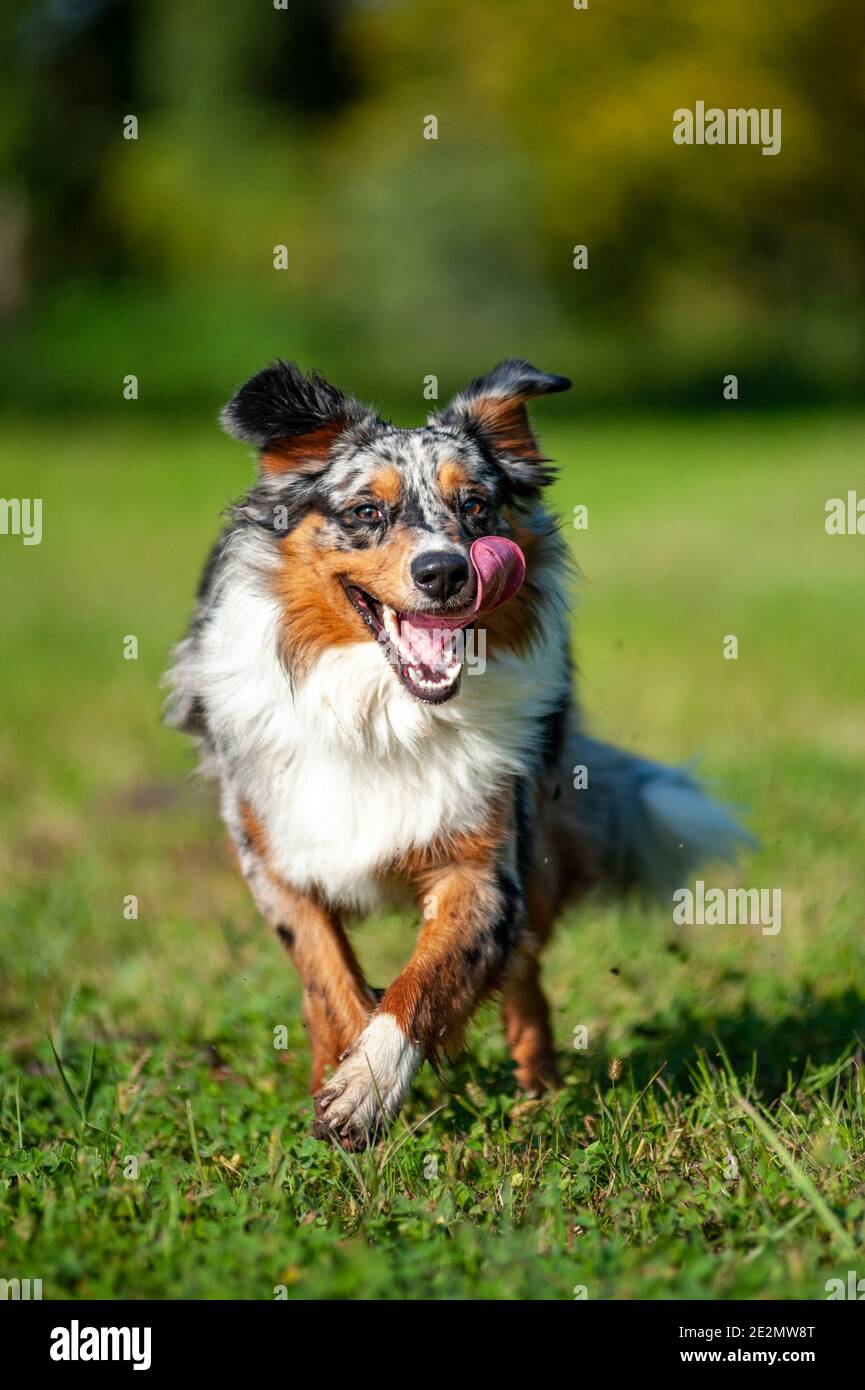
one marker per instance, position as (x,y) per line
(293,419)
(493,410)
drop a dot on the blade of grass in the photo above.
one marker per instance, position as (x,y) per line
(193,1139)
(18,1111)
(73,1099)
(89,1082)
(800,1178)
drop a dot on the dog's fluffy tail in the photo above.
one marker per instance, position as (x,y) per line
(651,825)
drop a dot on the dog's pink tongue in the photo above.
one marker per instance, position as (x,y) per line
(500,568)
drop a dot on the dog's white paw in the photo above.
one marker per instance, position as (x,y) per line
(369,1085)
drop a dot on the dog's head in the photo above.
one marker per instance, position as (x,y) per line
(402,536)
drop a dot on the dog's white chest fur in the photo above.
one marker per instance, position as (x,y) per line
(347,772)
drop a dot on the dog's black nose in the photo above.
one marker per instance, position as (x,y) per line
(440,573)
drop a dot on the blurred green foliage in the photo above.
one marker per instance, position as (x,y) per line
(304,127)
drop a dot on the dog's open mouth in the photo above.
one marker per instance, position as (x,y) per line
(426,650)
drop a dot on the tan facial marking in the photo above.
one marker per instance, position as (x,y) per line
(451,476)
(309,583)
(386,484)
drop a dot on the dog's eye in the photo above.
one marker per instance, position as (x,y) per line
(367,512)
(473,506)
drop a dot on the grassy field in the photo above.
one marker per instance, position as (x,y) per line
(710,1140)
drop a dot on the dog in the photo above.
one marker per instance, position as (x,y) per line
(364,761)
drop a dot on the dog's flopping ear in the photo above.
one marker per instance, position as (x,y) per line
(493,410)
(293,419)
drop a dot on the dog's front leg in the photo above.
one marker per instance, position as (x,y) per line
(337,1002)
(473,911)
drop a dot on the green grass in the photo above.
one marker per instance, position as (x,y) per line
(709,1142)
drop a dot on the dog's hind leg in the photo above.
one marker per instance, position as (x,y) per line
(525,1009)
(337,1003)
(562,868)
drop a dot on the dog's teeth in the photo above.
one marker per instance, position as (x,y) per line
(389,620)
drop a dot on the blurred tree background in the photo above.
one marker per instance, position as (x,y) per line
(303,126)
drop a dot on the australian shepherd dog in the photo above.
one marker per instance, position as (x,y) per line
(378,673)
